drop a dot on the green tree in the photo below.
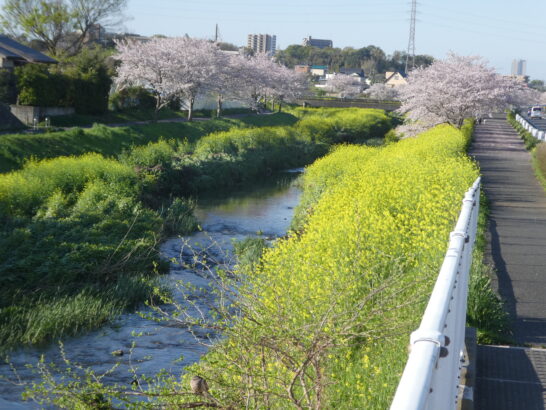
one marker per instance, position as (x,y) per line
(8,93)
(90,79)
(62,25)
(537,85)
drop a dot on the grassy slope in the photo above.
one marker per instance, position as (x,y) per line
(108,141)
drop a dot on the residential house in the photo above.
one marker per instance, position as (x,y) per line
(13,54)
(319,70)
(395,79)
(357,73)
(302,68)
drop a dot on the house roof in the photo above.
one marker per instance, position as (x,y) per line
(349,71)
(391,74)
(13,50)
(6,53)
(319,67)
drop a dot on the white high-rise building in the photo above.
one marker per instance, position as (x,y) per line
(519,67)
(262,43)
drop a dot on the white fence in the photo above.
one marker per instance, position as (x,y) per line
(431,377)
(535,132)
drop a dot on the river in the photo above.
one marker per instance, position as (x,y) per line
(267,210)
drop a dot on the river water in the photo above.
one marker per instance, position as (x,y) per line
(267,211)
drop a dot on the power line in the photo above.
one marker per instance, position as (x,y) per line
(411,41)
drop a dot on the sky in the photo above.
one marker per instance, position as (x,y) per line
(498,30)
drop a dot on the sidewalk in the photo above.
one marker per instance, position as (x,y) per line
(513,378)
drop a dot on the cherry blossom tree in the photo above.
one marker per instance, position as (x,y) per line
(261,78)
(344,85)
(149,65)
(230,76)
(286,84)
(448,91)
(186,68)
(170,67)
(198,65)
(382,92)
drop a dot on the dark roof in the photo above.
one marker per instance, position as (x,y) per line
(349,71)
(6,53)
(14,50)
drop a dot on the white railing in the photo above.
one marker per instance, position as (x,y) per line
(535,132)
(432,373)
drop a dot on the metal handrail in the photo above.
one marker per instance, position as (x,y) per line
(535,132)
(431,376)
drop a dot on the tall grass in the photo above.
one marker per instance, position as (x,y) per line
(67,225)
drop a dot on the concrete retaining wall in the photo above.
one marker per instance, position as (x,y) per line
(27,113)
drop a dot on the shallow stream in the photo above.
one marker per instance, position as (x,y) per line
(266,210)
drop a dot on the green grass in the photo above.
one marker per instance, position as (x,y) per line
(130,115)
(485,310)
(113,117)
(15,149)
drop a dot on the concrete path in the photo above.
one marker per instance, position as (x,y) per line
(513,378)
(517,227)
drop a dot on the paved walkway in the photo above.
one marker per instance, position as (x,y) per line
(514,378)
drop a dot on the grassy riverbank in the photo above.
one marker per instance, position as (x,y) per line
(15,149)
(83,231)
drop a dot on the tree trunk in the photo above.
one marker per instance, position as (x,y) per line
(219,106)
(280,106)
(157,107)
(190,109)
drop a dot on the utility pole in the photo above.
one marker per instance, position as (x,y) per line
(411,41)
(216,34)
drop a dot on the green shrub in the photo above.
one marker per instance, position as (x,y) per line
(82,82)
(528,139)
(132,97)
(8,90)
(23,192)
(38,86)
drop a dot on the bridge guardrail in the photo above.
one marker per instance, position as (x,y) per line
(431,377)
(535,132)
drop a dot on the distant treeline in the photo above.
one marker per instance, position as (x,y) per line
(371,58)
